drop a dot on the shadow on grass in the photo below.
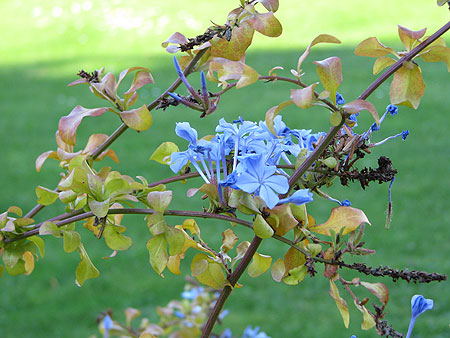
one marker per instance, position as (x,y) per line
(48,304)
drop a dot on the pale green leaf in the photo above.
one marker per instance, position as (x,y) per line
(71,241)
(259,265)
(85,270)
(46,196)
(261,228)
(330,74)
(157,248)
(163,152)
(159,200)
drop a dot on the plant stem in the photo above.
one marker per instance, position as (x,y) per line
(226,291)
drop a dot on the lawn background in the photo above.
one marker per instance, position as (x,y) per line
(43,46)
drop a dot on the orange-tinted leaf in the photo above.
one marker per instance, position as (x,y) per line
(266,23)
(322,38)
(407,87)
(341,217)
(356,106)
(330,74)
(141,78)
(304,98)
(379,290)
(272,112)
(235,48)
(381,63)
(43,157)
(248,76)
(293,259)
(139,119)
(409,37)
(340,303)
(373,47)
(286,221)
(229,239)
(68,124)
(436,54)
(330,270)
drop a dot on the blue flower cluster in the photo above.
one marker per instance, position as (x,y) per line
(244,155)
(248,333)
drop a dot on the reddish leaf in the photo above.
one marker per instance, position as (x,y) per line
(322,38)
(176,38)
(409,37)
(407,87)
(43,157)
(270,5)
(273,112)
(286,221)
(266,24)
(68,124)
(304,98)
(356,106)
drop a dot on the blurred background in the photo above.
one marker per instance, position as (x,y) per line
(45,43)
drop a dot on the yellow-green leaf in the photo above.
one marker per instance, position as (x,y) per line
(409,37)
(273,112)
(379,290)
(138,119)
(46,196)
(212,275)
(373,47)
(71,241)
(234,49)
(49,228)
(330,74)
(381,63)
(278,270)
(157,248)
(85,270)
(295,275)
(259,265)
(163,152)
(282,220)
(437,54)
(368,321)
(335,118)
(248,77)
(261,228)
(407,87)
(175,239)
(340,303)
(159,200)
(114,239)
(341,217)
(229,239)
(99,208)
(39,242)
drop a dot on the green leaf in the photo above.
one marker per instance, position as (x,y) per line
(259,265)
(156,224)
(68,125)
(46,196)
(212,275)
(373,47)
(67,196)
(138,119)
(335,118)
(314,249)
(407,87)
(116,187)
(295,275)
(261,228)
(163,152)
(85,270)
(368,321)
(16,210)
(114,238)
(95,186)
(229,239)
(340,303)
(356,106)
(266,23)
(17,269)
(39,242)
(330,74)
(175,238)
(99,208)
(304,98)
(49,228)
(381,63)
(159,200)
(157,248)
(341,217)
(72,240)
(234,49)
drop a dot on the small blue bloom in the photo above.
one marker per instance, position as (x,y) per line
(226,334)
(418,306)
(405,134)
(339,99)
(353,336)
(107,324)
(346,203)
(299,197)
(174,96)
(254,333)
(392,109)
(374,127)
(260,179)
(178,314)
(192,294)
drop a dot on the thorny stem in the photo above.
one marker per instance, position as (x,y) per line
(123,127)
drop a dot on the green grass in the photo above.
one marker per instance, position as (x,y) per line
(37,63)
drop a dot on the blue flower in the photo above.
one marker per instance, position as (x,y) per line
(193,293)
(339,99)
(262,180)
(299,197)
(392,109)
(184,130)
(345,203)
(107,324)
(178,314)
(418,306)
(254,333)
(405,134)
(226,334)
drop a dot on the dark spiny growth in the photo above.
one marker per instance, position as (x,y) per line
(91,77)
(383,271)
(211,32)
(384,173)
(165,102)
(384,329)
(310,266)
